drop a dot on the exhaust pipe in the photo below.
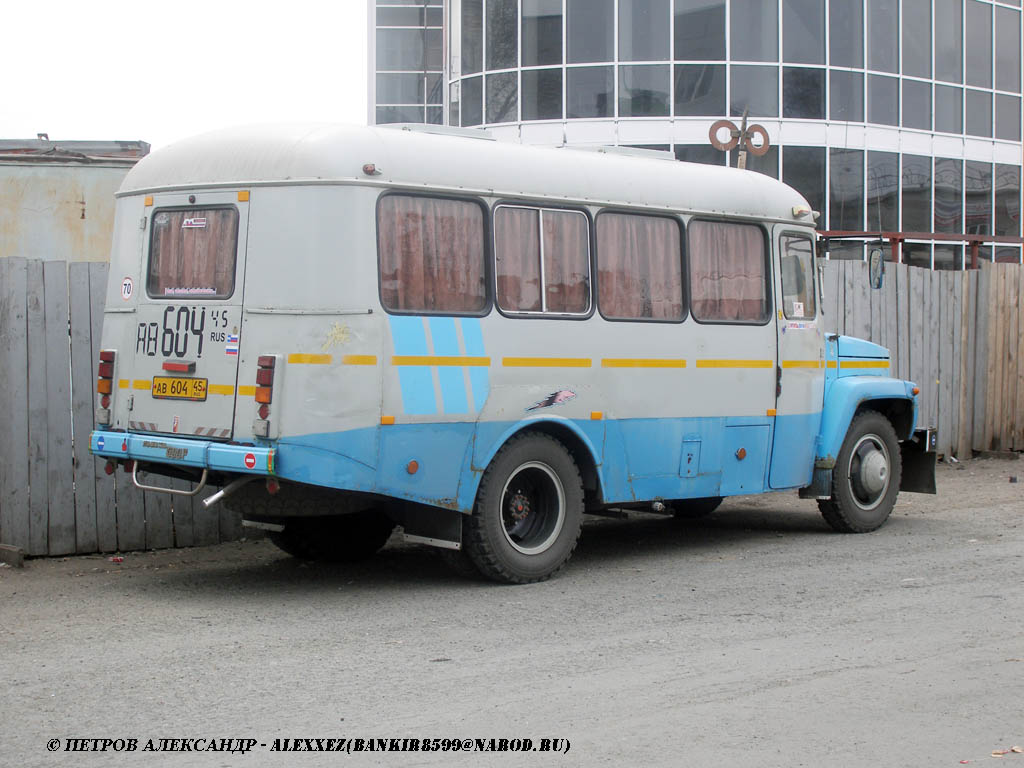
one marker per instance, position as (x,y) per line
(228,489)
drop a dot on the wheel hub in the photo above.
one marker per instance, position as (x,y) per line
(873,472)
(519,506)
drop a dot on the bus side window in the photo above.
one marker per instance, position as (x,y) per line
(542,260)
(639,267)
(797,266)
(431,255)
(728,272)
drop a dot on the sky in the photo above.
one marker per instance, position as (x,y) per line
(158,72)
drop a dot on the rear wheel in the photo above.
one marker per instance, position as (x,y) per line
(337,539)
(866,477)
(528,511)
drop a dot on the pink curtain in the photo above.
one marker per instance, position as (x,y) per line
(193,252)
(566,262)
(517,259)
(431,254)
(727,272)
(639,267)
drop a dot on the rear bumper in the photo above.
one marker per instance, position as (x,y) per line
(183,452)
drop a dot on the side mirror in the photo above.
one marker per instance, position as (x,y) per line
(876,268)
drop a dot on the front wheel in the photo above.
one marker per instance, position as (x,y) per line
(528,511)
(866,477)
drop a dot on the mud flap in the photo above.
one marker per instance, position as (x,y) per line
(423,524)
(918,463)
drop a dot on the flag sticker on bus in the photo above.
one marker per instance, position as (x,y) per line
(197,222)
(232,345)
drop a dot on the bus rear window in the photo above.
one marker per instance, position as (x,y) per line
(192,253)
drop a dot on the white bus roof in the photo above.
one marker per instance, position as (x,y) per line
(329,153)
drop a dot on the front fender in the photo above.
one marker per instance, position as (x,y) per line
(843,398)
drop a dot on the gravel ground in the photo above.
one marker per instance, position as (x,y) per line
(756,637)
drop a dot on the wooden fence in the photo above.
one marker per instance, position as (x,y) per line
(959,335)
(55,498)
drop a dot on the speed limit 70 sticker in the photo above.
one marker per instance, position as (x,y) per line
(127,288)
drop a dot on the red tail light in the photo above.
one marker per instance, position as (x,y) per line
(264,393)
(105,385)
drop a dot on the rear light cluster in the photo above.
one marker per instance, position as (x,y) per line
(105,385)
(265,367)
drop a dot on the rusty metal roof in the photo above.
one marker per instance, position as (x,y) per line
(46,151)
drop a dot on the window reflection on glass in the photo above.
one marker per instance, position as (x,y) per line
(978,110)
(949,185)
(399,114)
(1008,50)
(917,38)
(435,115)
(542,32)
(949,257)
(883,100)
(918,255)
(399,49)
(917,193)
(502,33)
(590,92)
(1007,200)
(589,30)
(949,108)
(404,88)
(754,30)
(883,185)
(700,89)
(883,44)
(756,89)
(803,168)
(1007,117)
(978,44)
(542,94)
(846,33)
(977,198)
(796,264)
(803,93)
(643,91)
(846,251)
(847,98)
(700,153)
(472,105)
(768,163)
(917,104)
(502,102)
(700,30)
(803,32)
(949,40)
(1007,255)
(472,36)
(643,30)
(846,189)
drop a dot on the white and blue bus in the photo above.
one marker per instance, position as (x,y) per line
(355,328)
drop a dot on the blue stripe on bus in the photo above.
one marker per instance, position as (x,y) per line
(452,379)
(479,378)
(416,381)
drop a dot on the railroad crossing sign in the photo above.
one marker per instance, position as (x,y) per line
(741,137)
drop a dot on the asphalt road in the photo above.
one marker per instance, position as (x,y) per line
(756,637)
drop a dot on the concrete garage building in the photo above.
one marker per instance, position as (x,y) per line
(888,115)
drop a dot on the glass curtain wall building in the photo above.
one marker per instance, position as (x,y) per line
(888,115)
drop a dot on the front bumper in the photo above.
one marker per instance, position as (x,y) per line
(183,452)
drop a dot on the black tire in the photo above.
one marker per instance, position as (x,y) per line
(866,477)
(694,509)
(528,511)
(459,563)
(336,539)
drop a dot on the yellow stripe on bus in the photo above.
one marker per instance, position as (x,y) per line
(735,364)
(446,360)
(123,383)
(830,364)
(359,360)
(221,389)
(864,364)
(302,358)
(246,390)
(142,384)
(546,362)
(801,363)
(641,362)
